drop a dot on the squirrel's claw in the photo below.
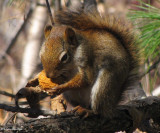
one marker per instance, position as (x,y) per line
(82,112)
(27,91)
(54,91)
(33,82)
(31,94)
(22,93)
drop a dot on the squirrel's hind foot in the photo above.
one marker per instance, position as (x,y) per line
(82,112)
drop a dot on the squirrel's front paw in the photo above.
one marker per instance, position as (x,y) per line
(54,91)
(31,94)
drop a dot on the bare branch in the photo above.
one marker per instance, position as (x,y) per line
(31,112)
(153,66)
(13,103)
(7,94)
(49,11)
(17,32)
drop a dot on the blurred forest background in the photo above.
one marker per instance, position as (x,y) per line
(21,35)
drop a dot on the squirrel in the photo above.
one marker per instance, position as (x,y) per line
(93,58)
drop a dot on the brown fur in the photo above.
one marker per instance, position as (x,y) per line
(103,59)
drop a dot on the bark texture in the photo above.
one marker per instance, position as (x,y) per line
(143,114)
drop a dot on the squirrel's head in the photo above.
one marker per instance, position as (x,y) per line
(58,50)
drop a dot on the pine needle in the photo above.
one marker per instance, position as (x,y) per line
(147,20)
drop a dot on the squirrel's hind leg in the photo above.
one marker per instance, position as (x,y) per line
(106,92)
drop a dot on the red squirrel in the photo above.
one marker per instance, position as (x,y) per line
(93,58)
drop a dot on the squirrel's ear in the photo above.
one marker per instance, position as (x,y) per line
(70,36)
(47,30)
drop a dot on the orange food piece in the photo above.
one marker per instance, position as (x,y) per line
(45,82)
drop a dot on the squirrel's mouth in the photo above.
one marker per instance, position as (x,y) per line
(59,79)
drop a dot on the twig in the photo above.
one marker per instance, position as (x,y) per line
(7,94)
(9,117)
(13,39)
(13,103)
(50,13)
(153,66)
(29,111)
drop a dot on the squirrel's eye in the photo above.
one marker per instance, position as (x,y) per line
(64,57)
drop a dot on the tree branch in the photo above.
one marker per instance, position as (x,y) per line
(29,111)
(143,114)
(7,94)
